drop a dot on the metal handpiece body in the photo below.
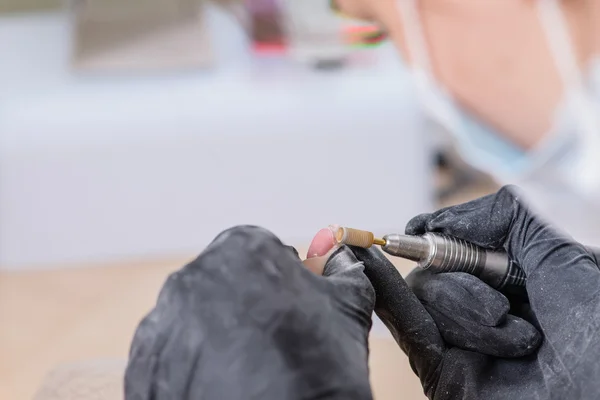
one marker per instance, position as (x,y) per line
(441,253)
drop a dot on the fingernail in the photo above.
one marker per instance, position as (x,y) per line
(321,243)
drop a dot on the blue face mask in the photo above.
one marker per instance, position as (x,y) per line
(566,163)
(511,158)
(477,142)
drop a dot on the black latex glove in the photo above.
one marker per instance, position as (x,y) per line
(459,338)
(246,320)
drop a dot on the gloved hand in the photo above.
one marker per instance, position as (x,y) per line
(246,320)
(457,332)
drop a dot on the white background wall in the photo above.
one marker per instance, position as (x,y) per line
(106,168)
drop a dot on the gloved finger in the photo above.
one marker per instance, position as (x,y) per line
(353,290)
(404,315)
(350,286)
(594,253)
(418,225)
(513,338)
(473,316)
(484,221)
(563,285)
(459,294)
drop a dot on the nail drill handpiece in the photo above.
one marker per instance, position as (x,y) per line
(441,253)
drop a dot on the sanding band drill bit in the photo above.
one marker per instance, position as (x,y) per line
(442,253)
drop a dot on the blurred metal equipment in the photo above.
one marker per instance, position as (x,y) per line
(139,35)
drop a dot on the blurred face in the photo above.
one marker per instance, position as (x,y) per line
(493,57)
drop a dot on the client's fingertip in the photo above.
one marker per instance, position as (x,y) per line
(321,244)
(317,264)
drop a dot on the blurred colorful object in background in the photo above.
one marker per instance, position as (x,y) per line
(363,34)
(266,26)
(269,34)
